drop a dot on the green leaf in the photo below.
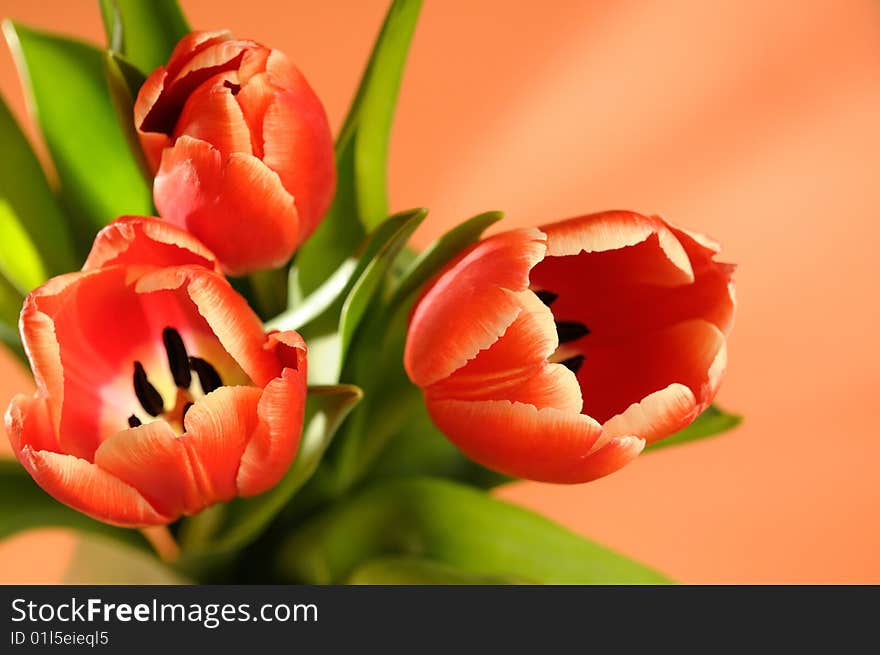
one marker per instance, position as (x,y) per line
(415,571)
(98,561)
(244,519)
(712,421)
(346,296)
(123,82)
(420,449)
(318,302)
(10,307)
(361,201)
(20,263)
(453,525)
(368,124)
(376,365)
(399,229)
(25,191)
(67,90)
(145,31)
(441,252)
(23,505)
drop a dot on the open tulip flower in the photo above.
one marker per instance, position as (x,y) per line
(158,393)
(240,147)
(557,353)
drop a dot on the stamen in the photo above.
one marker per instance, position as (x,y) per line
(149,398)
(546,297)
(574,364)
(177,357)
(571,331)
(208,375)
(232,86)
(133,421)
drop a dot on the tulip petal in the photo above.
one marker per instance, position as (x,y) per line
(470,305)
(161,115)
(211,113)
(611,457)
(153,460)
(616,231)
(28,423)
(218,429)
(192,44)
(152,143)
(547,445)
(616,294)
(238,208)
(143,241)
(712,296)
(254,99)
(275,442)
(235,325)
(218,311)
(64,330)
(205,62)
(89,489)
(656,416)
(515,367)
(297,143)
(616,375)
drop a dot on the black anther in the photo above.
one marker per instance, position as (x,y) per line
(574,364)
(149,398)
(178,360)
(546,297)
(571,331)
(208,375)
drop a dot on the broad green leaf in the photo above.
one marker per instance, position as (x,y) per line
(361,201)
(441,252)
(243,520)
(25,191)
(268,292)
(392,403)
(415,571)
(20,263)
(23,506)
(98,561)
(420,449)
(67,90)
(368,282)
(454,525)
(712,421)
(330,334)
(368,123)
(319,301)
(10,307)
(145,31)
(123,82)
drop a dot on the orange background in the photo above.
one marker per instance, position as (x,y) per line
(755,121)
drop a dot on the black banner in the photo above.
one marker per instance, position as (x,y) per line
(411,619)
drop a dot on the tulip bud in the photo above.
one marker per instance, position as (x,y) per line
(240,147)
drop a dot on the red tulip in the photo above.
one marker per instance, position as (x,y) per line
(240,146)
(556,353)
(158,393)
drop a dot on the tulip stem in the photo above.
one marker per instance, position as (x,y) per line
(163,542)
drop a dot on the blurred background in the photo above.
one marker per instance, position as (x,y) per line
(755,121)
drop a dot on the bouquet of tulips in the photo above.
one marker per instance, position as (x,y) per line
(245,374)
